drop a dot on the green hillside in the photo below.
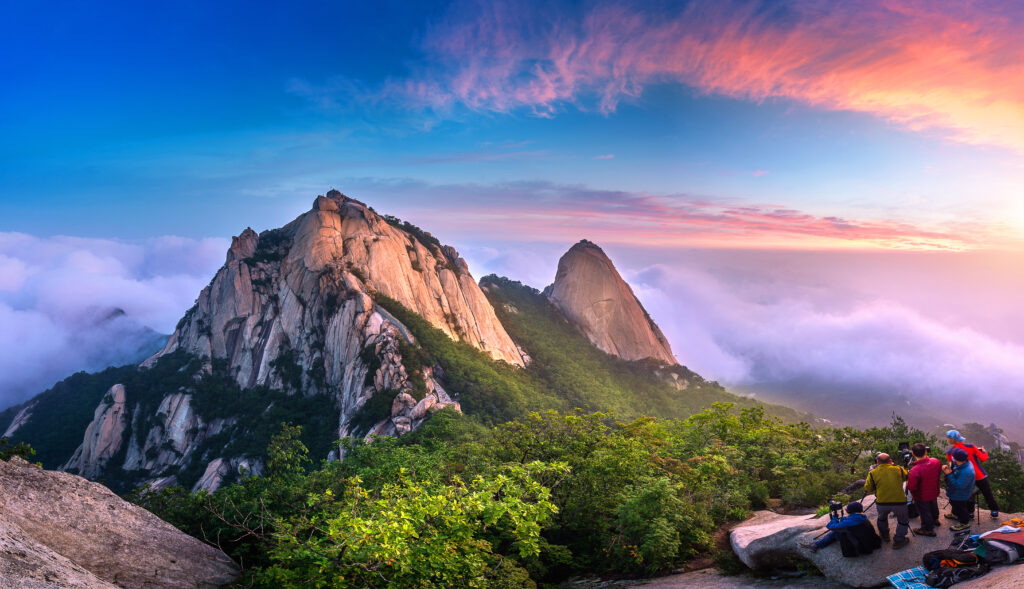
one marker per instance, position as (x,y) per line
(566,364)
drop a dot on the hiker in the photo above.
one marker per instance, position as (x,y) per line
(960,488)
(923,484)
(977,455)
(854,533)
(886,482)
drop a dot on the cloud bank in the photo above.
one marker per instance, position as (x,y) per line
(838,356)
(944,65)
(833,332)
(70,304)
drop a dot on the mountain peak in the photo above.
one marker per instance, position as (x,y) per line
(591,293)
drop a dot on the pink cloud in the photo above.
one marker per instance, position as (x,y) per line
(564,212)
(758,173)
(607,156)
(948,66)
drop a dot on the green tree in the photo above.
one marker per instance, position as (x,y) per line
(9,450)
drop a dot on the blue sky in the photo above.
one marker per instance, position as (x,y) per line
(777,179)
(127,120)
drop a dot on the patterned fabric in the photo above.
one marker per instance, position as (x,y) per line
(909,579)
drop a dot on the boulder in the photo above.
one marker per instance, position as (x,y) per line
(402,404)
(60,530)
(769,538)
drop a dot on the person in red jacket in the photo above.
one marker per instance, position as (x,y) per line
(976,455)
(923,484)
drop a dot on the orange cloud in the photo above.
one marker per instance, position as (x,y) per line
(951,66)
(561,212)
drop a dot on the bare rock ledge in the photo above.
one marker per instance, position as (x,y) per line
(60,530)
(769,537)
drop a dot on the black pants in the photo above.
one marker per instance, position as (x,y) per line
(986,491)
(929,512)
(962,510)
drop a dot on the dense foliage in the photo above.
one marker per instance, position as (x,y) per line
(531,501)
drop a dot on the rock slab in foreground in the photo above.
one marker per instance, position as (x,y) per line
(770,538)
(60,530)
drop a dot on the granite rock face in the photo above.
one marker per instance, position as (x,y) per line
(103,435)
(276,288)
(591,294)
(302,296)
(59,530)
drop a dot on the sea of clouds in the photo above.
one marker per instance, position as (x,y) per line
(850,336)
(69,304)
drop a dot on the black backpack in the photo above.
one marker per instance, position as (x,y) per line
(949,576)
(858,540)
(949,559)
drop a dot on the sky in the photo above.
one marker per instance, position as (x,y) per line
(811,197)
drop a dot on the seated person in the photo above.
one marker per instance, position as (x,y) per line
(854,533)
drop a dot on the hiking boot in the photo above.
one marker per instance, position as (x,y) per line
(995,514)
(924,532)
(951,516)
(900,544)
(884,538)
(960,527)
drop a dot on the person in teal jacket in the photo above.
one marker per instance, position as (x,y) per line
(960,488)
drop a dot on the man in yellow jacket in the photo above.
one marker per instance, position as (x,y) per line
(886,481)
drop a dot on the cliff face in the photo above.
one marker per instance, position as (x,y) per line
(291,309)
(103,436)
(591,294)
(291,288)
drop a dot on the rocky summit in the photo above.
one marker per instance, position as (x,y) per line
(591,294)
(294,310)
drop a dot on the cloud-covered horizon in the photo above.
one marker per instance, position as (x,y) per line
(807,329)
(953,68)
(69,304)
(830,332)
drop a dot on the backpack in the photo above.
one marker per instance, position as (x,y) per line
(949,576)
(1000,552)
(858,540)
(949,559)
(963,540)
